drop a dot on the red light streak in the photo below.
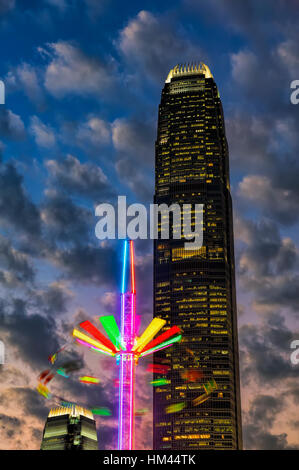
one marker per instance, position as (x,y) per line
(90,328)
(167,334)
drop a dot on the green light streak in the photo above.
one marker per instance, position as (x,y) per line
(158,382)
(110,326)
(101,411)
(162,345)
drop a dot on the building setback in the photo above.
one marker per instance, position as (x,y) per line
(70,428)
(195,289)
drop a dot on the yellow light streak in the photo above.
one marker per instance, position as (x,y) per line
(155,325)
(78,334)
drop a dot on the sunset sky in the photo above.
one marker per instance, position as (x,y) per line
(83,82)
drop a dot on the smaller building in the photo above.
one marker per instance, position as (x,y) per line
(70,428)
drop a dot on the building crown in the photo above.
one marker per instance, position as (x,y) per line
(181,70)
(73,410)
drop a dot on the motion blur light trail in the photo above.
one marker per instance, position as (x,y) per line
(121,343)
(64,363)
(89,380)
(160,382)
(124,344)
(158,368)
(101,411)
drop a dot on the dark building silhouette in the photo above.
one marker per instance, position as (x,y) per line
(70,428)
(195,289)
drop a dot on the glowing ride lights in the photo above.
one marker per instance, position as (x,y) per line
(126,346)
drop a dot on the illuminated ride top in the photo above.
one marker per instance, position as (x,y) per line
(126,346)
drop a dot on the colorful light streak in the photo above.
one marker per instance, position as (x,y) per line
(158,382)
(146,353)
(111,328)
(201,399)
(61,371)
(44,374)
(90,328)
(126,347)
(155,325)
(66,404)
(43,390)
(102,411)
(162,346)
(175,407)
(210,386)
(52,358)
(93,348)
(158,368)
(90,341)
(191,375)
(164,336)
(141,412)
(89,380)
(100,351)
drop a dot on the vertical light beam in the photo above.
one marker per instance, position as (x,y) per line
(132,267)
(127,359)
(123,285)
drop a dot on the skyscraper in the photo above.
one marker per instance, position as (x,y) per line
(195,288)
(70,428)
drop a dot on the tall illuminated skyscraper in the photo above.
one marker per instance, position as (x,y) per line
(195,289)
(70,428)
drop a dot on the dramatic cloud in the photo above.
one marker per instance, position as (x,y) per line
(134,138)
(11,125)
(266,349)
(44,136)
(64,221)
(32,403)
(88,264)
(95,131)
(261,416)
(25,77)
(53,300)
(8,425)
(268,265)
(32,335)
(136,179)
(15,268)
(85,179)
(154,45)
(16,208)
(266,149)
(91,134)
(280,203)
(249,139)
(288,53)
(70,71)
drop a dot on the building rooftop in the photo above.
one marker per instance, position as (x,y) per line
(73,410)
(181,70)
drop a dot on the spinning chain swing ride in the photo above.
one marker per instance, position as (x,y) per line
(124,345)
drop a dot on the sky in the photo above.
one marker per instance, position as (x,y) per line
(83,82)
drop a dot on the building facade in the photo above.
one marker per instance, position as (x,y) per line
(199,407)
(70,428)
